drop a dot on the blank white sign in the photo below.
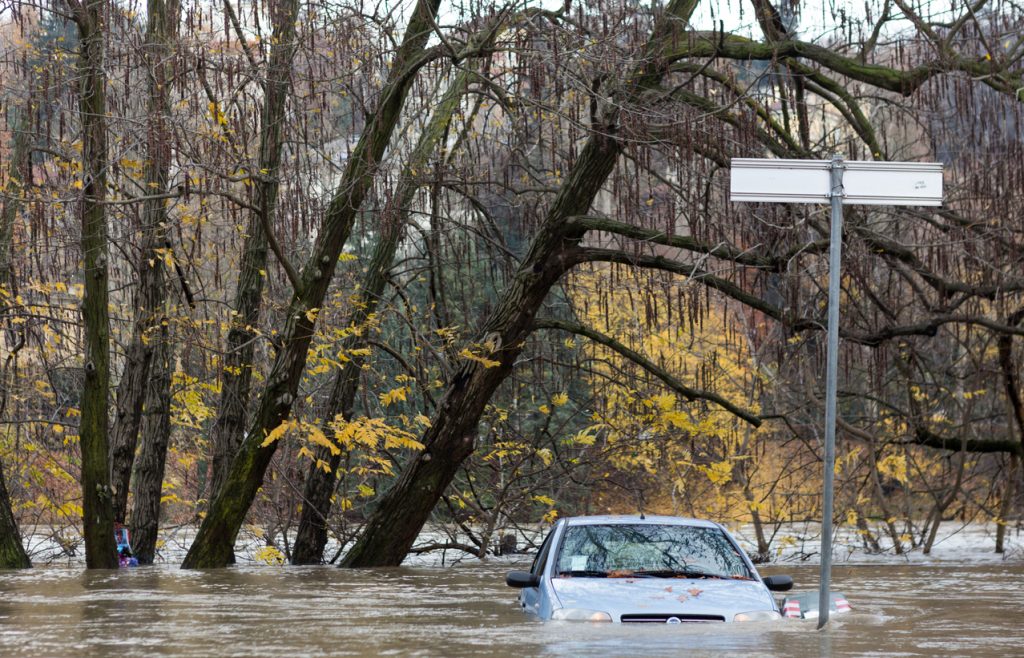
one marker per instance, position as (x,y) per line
(864,182)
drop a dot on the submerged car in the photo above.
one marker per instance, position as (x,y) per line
(654,569)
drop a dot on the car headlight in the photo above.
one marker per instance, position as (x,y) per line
(580,614)
(758,615)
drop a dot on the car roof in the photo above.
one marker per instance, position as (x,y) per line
(637,519)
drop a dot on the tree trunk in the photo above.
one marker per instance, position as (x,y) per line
(883,505)
(933,530)
(320,485)
(161,28)
(1006,504)
(18,170)
(12,551)
(236,370)
(1011,386)
(154,422)
(1011,383)
(128,408)
(214,544)
(149,467)
(401,514)
(311,537)
(943,503)
(97,507)
(763,548)
(871,544)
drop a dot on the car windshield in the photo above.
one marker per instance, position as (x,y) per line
(649,550)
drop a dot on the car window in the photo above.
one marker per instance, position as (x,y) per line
(542,555)
(662,550)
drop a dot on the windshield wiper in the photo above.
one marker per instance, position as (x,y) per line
(587,573)
(676,573)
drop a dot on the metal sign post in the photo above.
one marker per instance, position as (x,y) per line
(804,181)
(835,252)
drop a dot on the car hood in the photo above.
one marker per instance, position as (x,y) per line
(679,597)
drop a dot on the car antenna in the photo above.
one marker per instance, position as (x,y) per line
(640,504)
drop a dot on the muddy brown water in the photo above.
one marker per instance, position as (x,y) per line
(899,610)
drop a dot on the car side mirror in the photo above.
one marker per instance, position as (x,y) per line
(778,583)
(521,579)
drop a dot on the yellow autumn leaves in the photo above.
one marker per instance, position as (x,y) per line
(681,448)
(369,434)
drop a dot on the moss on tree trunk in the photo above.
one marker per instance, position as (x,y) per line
(97,504)
(401,515)
(311,537)
(236,372)
(214,544)
(12,552)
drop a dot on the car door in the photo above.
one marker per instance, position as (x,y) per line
(533,598)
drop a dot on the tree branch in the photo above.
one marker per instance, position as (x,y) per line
(722,250)
(701,44)
(667,378)
(928,327)
(229,9)
(925,437)
(587,255)
(275,246)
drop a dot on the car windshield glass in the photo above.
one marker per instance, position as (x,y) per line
(648,550)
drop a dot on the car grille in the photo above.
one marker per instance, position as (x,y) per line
(664,618)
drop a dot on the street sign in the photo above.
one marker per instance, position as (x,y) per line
(864,182)
(836,183)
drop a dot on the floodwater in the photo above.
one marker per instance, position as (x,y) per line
(466,610)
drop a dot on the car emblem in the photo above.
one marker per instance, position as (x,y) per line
(673,620)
